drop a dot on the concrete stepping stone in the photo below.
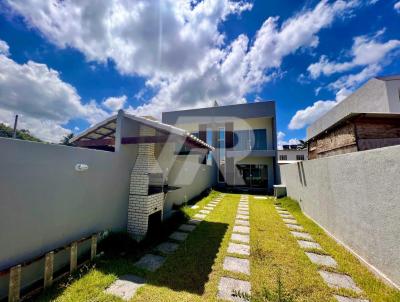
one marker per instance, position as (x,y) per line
(194,207)
(294,227)
(244,238)
(291,221)
(241,229)
(309,245)
(242,222)
(125,286)
(283,212)
(227,286)
(348,299)
(286,216)
(241,212)
(321,259)
(186,228)
(194,221)
(243,203)
(178,236)
(244,217)
(239,248)
(200,216)
(208,208)
(237,265)
(301,235)
(150,262)
(243,208)
(337,281)
(167,247)
(204,212)
(260,197)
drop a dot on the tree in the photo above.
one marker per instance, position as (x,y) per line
(302,145)
(66,139)
(23,134)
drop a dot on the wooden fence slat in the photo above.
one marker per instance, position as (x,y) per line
(73,257)
(14,284)
(48,269)
(93,249)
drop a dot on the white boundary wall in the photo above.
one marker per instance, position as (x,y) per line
(356,198)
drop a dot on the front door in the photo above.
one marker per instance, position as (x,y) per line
(253,176)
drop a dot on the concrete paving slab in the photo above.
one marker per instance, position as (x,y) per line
(348,299)
(286,216)
(167,247)
(242,208)
(291,221)
(239,248)
(186,228)
(321,259)
(208,208)
(242,212)
(227,286)
(194,207)
(241,229)
(194,221)
(204,212)
(335,280)
(260,197)
(178,236)
(125,286)
(301,235)
(244,217)
(309,245)
(242,222)
(283,212)
(150,262)
(237,265)
(200,216)
(294,227)
(243,238)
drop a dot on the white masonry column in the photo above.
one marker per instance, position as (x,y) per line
(141,204)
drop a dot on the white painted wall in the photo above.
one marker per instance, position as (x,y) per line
(355,197)
(291,154)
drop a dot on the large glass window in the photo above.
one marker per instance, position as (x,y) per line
(250,140)
(209,140)
(221,150)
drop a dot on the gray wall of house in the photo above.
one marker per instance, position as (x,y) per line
(355,197)
(375,96)
(46,204)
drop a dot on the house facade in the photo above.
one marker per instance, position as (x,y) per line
(244,138)
(290,154)
(367,119)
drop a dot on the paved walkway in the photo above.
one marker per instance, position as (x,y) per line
(126,286)
(237,260)
(327,265)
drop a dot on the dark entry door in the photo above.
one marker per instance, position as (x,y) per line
(253,176)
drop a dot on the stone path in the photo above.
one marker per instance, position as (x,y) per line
(126,286)
(333,279)
(238,247)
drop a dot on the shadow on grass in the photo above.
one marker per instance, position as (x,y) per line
(187,269)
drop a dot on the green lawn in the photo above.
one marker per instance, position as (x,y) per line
(192,273)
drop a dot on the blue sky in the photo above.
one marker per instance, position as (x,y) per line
(66,65)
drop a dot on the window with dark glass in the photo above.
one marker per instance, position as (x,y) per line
(250,140)
(300,157)
(282,157)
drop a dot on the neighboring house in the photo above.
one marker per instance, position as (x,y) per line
(291,154)
(244,136)
(367,119)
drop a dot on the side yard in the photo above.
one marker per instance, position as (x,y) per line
(279,267)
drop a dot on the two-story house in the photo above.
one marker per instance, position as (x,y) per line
(244,136)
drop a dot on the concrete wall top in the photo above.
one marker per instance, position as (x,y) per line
(373,97)
(208,115)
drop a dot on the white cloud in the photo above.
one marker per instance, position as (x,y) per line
(177,45)
(310,114)
(282,141)
(397,6)
(42,100)
(4,48)
(115,103)
(365,51)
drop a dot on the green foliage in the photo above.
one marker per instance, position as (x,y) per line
(66,139)
(23,134)
(279,294)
